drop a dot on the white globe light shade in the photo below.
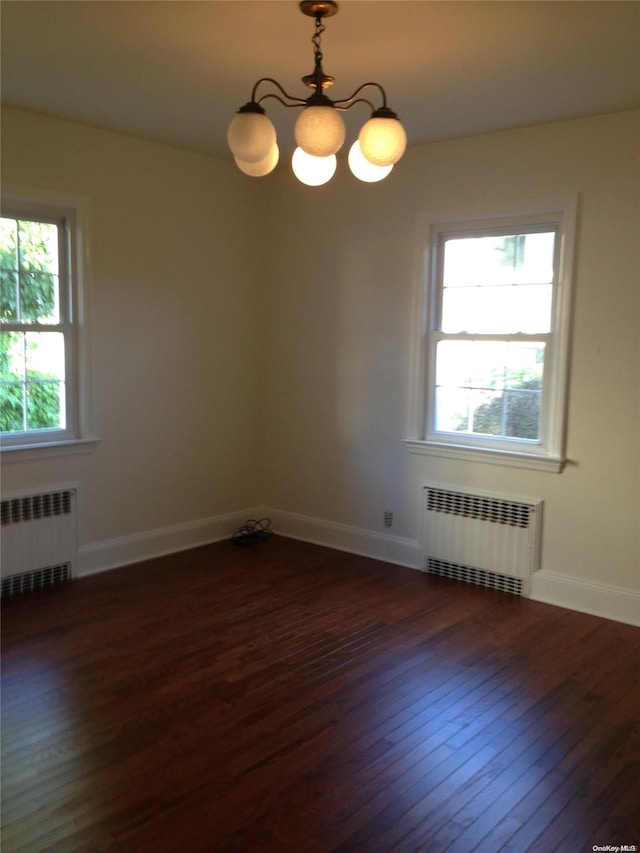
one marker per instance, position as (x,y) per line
(363,169)
(262,167)
(251,137)
(320,131)
(313,171)
(382,141)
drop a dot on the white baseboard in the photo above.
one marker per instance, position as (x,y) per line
(609,602)
(124,550)
(342,537)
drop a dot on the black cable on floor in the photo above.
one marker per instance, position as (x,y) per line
(252,531)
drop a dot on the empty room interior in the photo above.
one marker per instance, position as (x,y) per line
(320,467)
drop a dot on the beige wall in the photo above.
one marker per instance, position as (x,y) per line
(341,323)
(173,327)
(252,340)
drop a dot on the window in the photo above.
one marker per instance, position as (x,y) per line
(495,346)
(40,367)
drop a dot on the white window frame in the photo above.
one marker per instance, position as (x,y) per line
(558,214)
(71,212)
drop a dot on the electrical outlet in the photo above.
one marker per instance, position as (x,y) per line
(388,518)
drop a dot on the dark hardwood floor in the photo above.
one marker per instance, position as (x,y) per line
(287,697)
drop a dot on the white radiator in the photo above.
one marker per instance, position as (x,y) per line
(481,538)
(39,539)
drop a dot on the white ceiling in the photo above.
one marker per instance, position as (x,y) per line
(176,70)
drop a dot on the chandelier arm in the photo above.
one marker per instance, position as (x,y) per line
(296,102)
(352,104)
(358,90)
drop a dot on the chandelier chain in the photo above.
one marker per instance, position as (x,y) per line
(315,39)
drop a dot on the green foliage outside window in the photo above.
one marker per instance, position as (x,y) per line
(513,408)
(30,398)
(514,413)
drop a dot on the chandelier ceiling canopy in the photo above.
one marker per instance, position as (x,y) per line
(319,130)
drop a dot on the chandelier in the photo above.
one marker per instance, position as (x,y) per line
(319,130)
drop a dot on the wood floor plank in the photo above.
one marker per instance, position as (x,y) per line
(287,697)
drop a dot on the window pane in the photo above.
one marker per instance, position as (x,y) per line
(12,407)
(32,374)
(44,355)
(470,363)
(8,244)
(486,412)
(510,259)
(45,405)
(8,268)
(38,247)
(12,381)
(489,388)
(29,270)
(45,380)
(499,285)
(522,413)
(497,310)
(452,409)
(12,365)
(8,296)
(536,264)
(38,298)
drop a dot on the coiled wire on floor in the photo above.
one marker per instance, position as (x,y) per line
(253,531)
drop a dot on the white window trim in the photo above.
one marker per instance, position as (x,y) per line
(562,211)
(75,210)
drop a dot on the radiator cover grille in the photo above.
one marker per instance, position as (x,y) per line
(33,507)
(471,575)
(481,507)
(38,579)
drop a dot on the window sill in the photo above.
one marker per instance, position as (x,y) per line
(20,452)
(510,459)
